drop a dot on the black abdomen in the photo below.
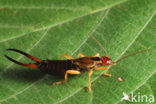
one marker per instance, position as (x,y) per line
(56,67)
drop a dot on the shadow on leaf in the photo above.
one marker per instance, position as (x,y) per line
(29,75)
(22,75)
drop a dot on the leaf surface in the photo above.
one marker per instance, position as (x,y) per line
(51,28)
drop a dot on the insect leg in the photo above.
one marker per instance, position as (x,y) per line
(97,55)
(103,68)
(66,76)
(81,55)
(66,56)
(90,74)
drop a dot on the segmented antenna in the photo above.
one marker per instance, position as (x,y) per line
(98,44)
(132,54)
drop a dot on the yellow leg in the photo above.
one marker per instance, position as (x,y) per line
(66,56)
(97,55)
(104,68)
(81,55)
(90,74)
(66,76)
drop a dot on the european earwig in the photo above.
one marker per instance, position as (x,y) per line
(71,65)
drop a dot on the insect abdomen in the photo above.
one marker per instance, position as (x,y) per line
(56,67)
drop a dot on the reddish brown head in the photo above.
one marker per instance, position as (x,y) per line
(107,61)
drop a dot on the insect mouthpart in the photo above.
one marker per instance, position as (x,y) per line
(109,61)
(113,63)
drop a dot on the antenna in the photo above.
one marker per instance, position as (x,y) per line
(98,44)
(132,54)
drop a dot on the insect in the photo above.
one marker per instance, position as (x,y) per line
(70,65)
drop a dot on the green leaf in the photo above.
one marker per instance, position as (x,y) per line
(48,29)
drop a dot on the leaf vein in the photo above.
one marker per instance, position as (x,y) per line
(65,21)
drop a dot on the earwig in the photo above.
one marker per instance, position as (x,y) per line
(70,65)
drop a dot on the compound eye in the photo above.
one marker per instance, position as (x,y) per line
(109,62)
